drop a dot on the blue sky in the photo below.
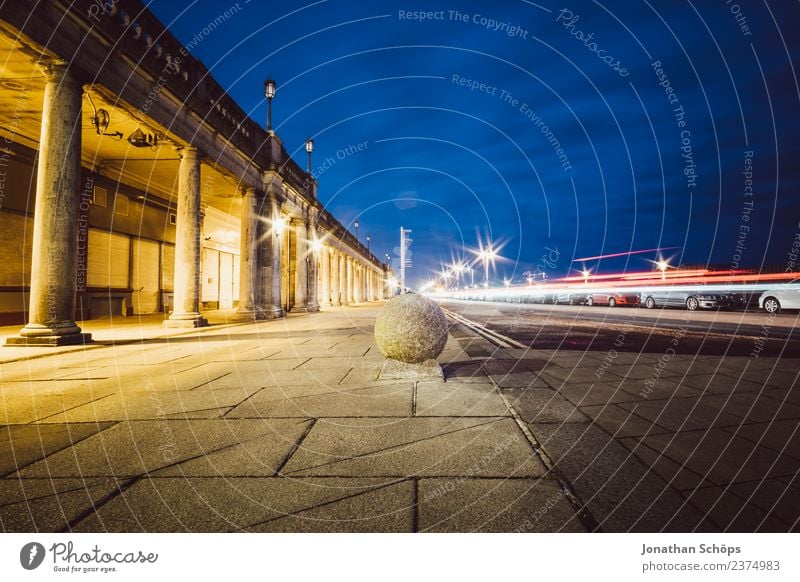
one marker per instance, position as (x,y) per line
(510,122)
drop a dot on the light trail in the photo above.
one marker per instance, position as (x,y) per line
(625,254)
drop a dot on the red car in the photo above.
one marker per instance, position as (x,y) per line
(612,299)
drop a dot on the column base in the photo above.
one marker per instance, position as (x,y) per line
(72,339)
(246,315)
(185,322)
(304,308)
(272,312)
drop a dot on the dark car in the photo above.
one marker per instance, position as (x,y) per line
(690,300)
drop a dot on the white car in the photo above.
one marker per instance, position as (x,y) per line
(773,300)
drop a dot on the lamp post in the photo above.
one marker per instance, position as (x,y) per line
(309,149)
(471,276)
(662,266)
(585,274)
(369,238)
(355,224)
(269,93)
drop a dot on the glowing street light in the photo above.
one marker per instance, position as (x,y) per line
(586,273)
(662,266)
(279,225)
(506,282)
(471,276)
(486,255)
(316,245)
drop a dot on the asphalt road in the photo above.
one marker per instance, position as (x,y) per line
(636,329)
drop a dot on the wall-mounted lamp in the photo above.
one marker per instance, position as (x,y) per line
(140,139)
(101,120)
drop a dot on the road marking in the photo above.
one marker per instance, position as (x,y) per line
(488,334)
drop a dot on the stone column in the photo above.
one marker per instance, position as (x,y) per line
(350,280)
(335,301)
(344,294)
(301,298)
(325,259)
(273,308)
(51,314)
(188,234)
(312,303)
(249,271)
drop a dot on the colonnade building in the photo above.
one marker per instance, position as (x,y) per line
(131,183)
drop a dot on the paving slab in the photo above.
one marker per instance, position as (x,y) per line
(22,402)
(543,405)
(21,445)
(495,505)
(143,405)
(733,514)
(429,446)
(387,400)
(682,413)
(782,436)
(257,504)
(594,393)
(722,457)
(46,505)
(675,474)
(459,399)
(190,447)
(620,422)
(621,493)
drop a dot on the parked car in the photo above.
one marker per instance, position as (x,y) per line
(774,300)
(690,300)
(612,299)
(571,298)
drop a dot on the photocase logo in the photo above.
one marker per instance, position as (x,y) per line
(31,555)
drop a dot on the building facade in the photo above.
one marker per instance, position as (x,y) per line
(130,183)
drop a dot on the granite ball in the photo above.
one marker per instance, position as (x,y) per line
(411,328)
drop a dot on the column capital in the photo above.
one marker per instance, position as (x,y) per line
(58,70)
(189,153)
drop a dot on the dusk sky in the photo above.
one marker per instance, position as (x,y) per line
(587,127)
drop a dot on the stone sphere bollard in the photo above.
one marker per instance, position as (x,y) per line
(412,329)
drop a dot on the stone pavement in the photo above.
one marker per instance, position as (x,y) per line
(285,426)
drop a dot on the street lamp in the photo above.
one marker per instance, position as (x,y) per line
(369,238)
(471,276)
(486,255)
(269,93)
(356,225)
(586,273)
(662,266)
(309,149)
